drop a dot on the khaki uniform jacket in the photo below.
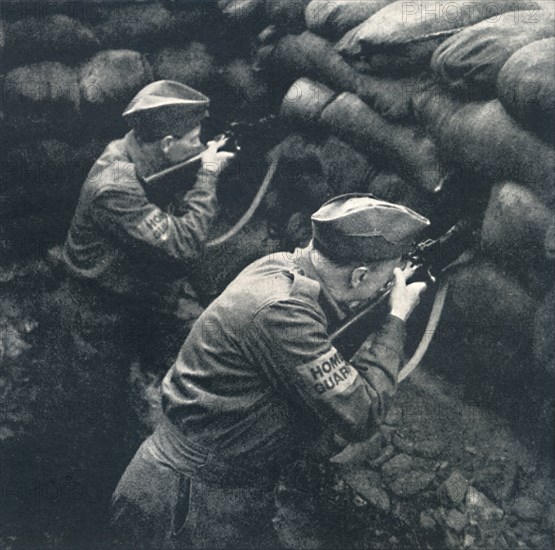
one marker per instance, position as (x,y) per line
(124,242)
(258,376)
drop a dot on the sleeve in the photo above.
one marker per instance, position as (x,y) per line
(127,213)
(289,340)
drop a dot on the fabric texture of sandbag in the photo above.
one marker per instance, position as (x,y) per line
(312,56)
(526,87)
(41,83)
(305,100)
(485,145)
(544,333)
(391,187)
(242,11)
(334,19)
(470,61)
(487,324)
(346,170)
(55,37)
(407,23)
(299,176)
(192,65)
(391,145)
(251,90)
(549,243)
(114,76)
(313,169)
(513,234)
(286,14)
(138,26)
(107,83)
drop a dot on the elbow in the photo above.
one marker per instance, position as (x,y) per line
(357,429)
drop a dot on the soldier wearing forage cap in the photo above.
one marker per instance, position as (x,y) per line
(124,249)
(257,378)
(126,253)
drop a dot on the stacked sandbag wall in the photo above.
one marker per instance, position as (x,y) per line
(435,105)
(451,106)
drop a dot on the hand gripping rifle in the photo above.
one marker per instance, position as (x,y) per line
(237,133)
(431,259)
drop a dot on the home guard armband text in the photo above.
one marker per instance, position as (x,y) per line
(328,375)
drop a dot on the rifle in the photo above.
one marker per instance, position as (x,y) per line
(236,132)
(430,258)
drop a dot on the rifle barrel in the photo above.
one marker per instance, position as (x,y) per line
(172,169)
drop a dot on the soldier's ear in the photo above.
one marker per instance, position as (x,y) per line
(166,143)
(359,276)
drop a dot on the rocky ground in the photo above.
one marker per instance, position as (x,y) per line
(443,474)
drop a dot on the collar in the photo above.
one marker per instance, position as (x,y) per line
(333,311)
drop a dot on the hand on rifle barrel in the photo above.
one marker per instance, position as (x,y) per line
(404,298)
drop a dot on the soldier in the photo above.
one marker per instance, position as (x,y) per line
(124,250)
(126,257)
(257,378)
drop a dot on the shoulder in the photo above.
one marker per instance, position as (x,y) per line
(277,277)
(113,171)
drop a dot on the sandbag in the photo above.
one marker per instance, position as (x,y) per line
(313,169)
(334,19)
(305,101)
(483,297)
(513,234)
(107,83)
(189,20)
(299,176)
(309,55)
(411,59)
(135,26)
(41,84)
(544,333)
(286,14)
(526,87)
(192,65)
(486,329)
(413,23)
(391,187)
(41,101)
(346,170)
(114,76)
(484,145)
(395,146)
(549,244)
(55,37)
(240,76)
(470,61)
(242,11)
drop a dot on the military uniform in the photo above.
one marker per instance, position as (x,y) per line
(126,296)
(126,248)
(256,379)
